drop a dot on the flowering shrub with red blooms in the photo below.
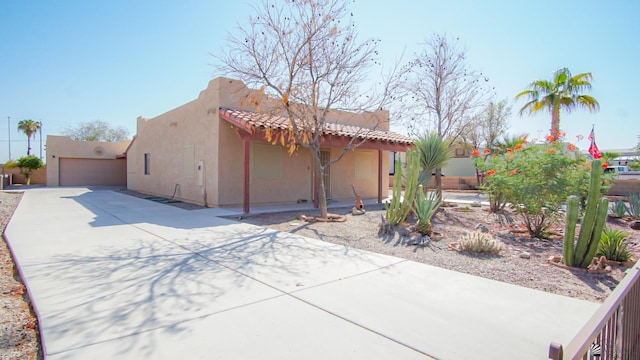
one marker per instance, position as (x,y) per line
(605,165)
(518,147)
(571,147)
(538,178)
(487,151)
(475,153)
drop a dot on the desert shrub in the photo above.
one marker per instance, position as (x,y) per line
(479,242)
(28,164)
(634,165)
(425,207)
(634,205)
(613,245)
(536,180)
(620,209)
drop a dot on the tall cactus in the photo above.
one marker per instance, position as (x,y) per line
(592,224)
(399,207)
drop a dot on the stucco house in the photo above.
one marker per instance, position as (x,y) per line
(86,163)
(213,151)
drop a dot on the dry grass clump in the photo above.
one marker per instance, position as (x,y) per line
(479,242)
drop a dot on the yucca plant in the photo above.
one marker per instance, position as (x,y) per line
(424,207)
(634,205)
(613,245)
(620,209)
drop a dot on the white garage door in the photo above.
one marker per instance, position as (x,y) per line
(93,172)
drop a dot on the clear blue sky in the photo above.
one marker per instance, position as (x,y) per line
(63,62)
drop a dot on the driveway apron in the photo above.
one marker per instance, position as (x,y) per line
(114,276)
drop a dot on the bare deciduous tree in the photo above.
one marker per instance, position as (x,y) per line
(97,130)
(441,92)
(488,125)
(305,55)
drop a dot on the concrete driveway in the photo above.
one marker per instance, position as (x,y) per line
(117,277)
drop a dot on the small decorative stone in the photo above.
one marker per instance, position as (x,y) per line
(415,239)
(482,228)
(476,204)
(402,231)
(635,225)
(555,259)
(424,241)
(525,255)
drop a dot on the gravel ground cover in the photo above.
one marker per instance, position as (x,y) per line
(19,338)
(523,261)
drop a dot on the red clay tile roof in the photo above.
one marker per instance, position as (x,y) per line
(250,120)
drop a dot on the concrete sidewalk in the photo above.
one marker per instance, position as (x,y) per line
(118,277)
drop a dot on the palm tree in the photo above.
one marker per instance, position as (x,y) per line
(434,153)
(28,127)
(563,91)
(609,156)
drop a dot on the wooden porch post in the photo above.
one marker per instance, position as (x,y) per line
(379,176)
(247,158)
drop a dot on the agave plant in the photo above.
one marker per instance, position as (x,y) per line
(634,205)
(613,245)
(425,207)
(620,209)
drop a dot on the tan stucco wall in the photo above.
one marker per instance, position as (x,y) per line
(360,169)
(217,143)
(64,147)
(132,165)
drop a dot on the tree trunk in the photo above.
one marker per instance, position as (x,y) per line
(555,122)
(28,145)
(322,193)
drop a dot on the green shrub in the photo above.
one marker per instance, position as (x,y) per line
(613,245)
(479,242)
(536,179)
(28,164)
(634,165)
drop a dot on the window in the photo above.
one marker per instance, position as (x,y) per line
(147,162)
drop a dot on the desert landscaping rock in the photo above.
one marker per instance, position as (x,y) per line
(482,227)
(362,232)
(525,255)
(19,338)
(635,225)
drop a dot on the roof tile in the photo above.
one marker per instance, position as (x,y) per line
(253,119)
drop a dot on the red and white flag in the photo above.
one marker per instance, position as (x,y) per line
(593,148)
